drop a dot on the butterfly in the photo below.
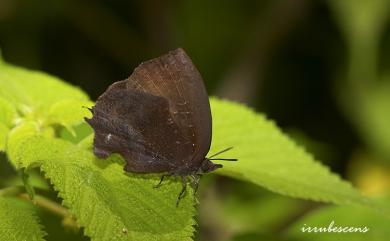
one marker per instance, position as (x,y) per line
(158,120)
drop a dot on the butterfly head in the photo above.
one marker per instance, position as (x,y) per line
(208,166)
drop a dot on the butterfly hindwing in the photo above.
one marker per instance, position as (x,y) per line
(158,119)
(123,126)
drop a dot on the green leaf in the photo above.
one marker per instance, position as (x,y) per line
(32,93)
(342,216)
(3,136)
(78,133)
(111,204)
(27,183)
(272,208)
(21,136)
(36,180)
(8,113)
(270,159)
(7,119)
(69,113)
(18,222)
(108,203)
(264,211)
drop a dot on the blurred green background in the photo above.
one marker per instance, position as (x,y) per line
(320,69)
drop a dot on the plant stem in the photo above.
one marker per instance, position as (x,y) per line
(53,207)
(10,191)
(47,204)
(42,202)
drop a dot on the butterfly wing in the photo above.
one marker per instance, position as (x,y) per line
(134,124)
(158,119)
(174,77)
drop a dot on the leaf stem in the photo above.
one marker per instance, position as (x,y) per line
(53,207)
(10,191)
(47,204)
(42,202)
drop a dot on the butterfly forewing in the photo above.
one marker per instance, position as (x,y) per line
(159,118)
(174,77)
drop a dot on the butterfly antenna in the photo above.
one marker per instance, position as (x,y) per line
(224,159)
(220,152)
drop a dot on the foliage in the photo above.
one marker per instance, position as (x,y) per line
(108,205)
(320,68)
(18,222)
(271,159)
(37,110)
(347,216)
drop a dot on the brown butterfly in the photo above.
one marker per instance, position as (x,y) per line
(158,120)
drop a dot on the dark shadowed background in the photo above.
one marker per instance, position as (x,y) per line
(315,67)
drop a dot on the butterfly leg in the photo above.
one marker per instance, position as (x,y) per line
(183,190)
(195,185)
(161,180)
